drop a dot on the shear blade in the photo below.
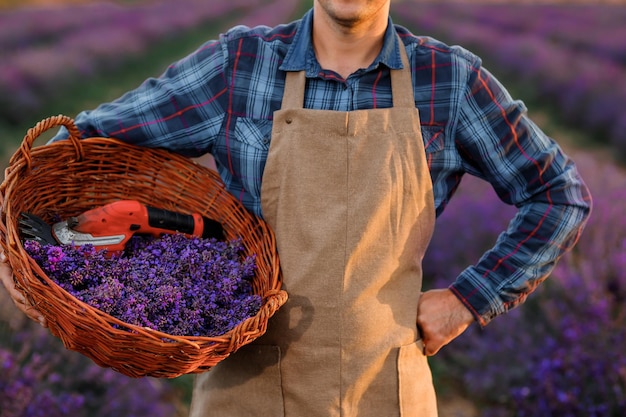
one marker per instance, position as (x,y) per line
(33,227)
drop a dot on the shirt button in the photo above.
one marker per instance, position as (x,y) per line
(288,120)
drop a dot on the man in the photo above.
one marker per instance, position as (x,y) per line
(349,136)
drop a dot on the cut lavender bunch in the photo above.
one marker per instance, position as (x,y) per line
(174,284)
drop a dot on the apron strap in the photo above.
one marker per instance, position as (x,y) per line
(401,85)
(293,97)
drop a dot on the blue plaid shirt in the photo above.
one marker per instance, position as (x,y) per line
(221,100)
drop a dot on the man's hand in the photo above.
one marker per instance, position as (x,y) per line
(441,317)
(6,276)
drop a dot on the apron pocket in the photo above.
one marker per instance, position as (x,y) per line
(241,385)
(415,383)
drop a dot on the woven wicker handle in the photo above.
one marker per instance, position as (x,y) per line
(54,121)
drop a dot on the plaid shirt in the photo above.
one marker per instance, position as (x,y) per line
(221,99)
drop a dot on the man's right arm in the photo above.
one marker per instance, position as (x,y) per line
(182,110)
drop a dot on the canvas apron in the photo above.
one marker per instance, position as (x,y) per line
(349,196)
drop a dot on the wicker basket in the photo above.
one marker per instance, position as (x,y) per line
(68,177)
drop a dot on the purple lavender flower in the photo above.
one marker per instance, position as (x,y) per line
(40,378)
(174,284)
(18,390)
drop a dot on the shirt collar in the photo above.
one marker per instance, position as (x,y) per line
(301,57)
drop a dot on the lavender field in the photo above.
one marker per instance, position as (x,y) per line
(46,49)
(571,57)
(560,354)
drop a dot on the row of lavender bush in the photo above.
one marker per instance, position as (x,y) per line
(40,378)
(568,56)
(45,50)
(562,352)
(597,29)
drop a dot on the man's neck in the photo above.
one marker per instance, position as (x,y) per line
(345,49)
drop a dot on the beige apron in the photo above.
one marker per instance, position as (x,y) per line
(349,195)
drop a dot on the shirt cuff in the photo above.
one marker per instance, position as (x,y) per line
(473,290)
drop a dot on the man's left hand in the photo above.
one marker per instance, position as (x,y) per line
(441,317)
